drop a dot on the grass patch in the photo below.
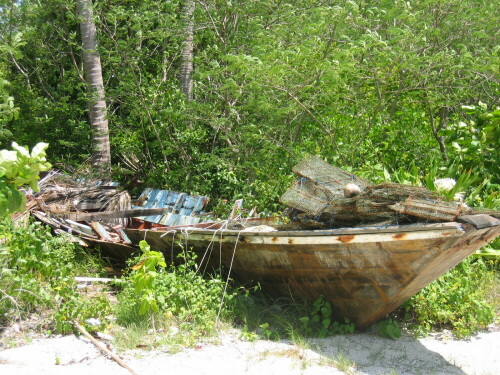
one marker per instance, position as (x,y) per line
(292,353)
(341,362)
(172,297)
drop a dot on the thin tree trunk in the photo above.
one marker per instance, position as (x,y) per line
(101,157)
(186,72)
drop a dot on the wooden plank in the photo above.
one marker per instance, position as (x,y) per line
(331,232)
(370,240)
(71,237)
(82,279)
(89,206)
(101,231)
(480,221)
(123,235)
(80,227)
(94,216)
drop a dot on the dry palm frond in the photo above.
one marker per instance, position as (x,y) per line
(119,202)
(66,193)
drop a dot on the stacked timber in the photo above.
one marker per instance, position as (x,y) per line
(324,196)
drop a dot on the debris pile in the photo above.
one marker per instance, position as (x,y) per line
(324,196)
(59,193)
(100,211)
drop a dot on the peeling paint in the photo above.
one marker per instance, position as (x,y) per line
(346,239)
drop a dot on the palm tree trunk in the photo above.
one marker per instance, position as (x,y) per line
(186,72)
(101,156)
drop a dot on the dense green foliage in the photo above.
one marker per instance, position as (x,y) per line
(365,84)
(320,323)
(456,301)
(37,269)
(37,276)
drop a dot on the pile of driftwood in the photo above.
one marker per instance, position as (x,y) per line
(324,196)
(62,193)
(62,200)
(101,211)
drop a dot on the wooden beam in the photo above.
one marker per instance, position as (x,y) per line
(480,221)
(106,215)
(97,280)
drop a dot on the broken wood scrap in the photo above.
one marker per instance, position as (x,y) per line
(431,210)
(235,211)
(106,215)
(84,279)
(480,221)
(102,347)
(79,227)
(487,211)
(102,232)
(122,235)
(71,238)
(61,192)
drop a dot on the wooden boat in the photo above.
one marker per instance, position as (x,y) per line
(364,272)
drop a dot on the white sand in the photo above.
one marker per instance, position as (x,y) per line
(368,353)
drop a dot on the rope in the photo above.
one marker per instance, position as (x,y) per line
(173,231)
(227,280)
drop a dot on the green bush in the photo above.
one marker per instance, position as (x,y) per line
(37,274)
(179,293)
(457,300)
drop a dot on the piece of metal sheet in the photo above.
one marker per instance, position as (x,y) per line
(179,205)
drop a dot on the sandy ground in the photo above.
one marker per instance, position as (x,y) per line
(360,353)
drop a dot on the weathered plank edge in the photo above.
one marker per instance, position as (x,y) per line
(94,216)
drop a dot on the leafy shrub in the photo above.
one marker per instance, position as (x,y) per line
(175,292)
(17,168)
(456,300)
(36,269)
(37,274)
(390,328)
(319,322)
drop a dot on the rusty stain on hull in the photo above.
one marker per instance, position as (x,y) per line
(345,239)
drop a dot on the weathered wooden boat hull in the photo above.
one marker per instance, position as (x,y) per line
(364,273)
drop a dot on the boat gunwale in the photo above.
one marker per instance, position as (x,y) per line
(418,227)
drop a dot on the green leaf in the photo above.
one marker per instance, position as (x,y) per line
(15,200)
(23,151)
(38,151)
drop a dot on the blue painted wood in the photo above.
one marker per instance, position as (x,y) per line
(182,205)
